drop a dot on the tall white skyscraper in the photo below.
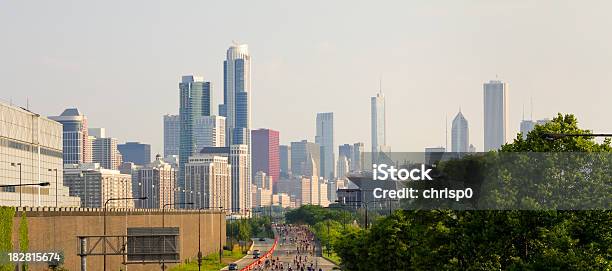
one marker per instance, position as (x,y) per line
(236,108)
(495,114)
(325,139)
(379,141)
(236,105)
(460,138)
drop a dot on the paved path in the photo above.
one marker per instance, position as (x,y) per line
(286,251)
(263,247)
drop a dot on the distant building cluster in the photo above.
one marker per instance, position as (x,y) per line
(209,160)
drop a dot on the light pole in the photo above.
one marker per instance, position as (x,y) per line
(163,226)
(14,165)
(51,170)
(105,203)
(199,235)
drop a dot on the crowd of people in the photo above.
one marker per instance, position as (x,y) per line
(296,247)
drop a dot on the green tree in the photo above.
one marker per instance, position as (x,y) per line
(504,239)
(6,233)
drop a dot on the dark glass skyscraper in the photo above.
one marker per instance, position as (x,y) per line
(195,97)
(135,152)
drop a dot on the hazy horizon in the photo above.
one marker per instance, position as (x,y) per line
(120,62)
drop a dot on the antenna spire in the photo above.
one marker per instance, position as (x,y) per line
(531,113)
(380,84)
(446,132)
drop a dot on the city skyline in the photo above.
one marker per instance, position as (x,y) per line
(66,66)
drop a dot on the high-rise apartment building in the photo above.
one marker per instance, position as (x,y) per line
(75,136)
(495,114)
(194,103)
(238,156)
(94,185)
(209,180)
(265,152)
(460,134)
(135,152)
(31,152)
(325,139)
(156,182)
(172,134)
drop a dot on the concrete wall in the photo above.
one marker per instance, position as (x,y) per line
(57,230)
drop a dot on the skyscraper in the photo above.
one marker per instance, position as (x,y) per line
(209,131)
(172,130)
(194,103)
(266,152)
(526,127)
(75,136)
(236,105)
(460,134)
(105,153)
(379,141)
(285,160)
(236,108)
(301,153)
(495,114)
(325,139)
(135,152)
(358,157)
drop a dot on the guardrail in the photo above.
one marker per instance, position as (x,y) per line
(262,258)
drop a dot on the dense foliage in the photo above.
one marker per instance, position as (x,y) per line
(6,233)
(489,240)
(242,230)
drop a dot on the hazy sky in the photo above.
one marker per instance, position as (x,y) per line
(120,62)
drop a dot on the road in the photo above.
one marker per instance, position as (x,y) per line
(263,246)
(287,250)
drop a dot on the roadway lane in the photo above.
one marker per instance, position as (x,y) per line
(286,251)
(263,247)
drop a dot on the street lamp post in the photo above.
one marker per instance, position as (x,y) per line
(51,170)
(105,203)
(14,165)
(163,226)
